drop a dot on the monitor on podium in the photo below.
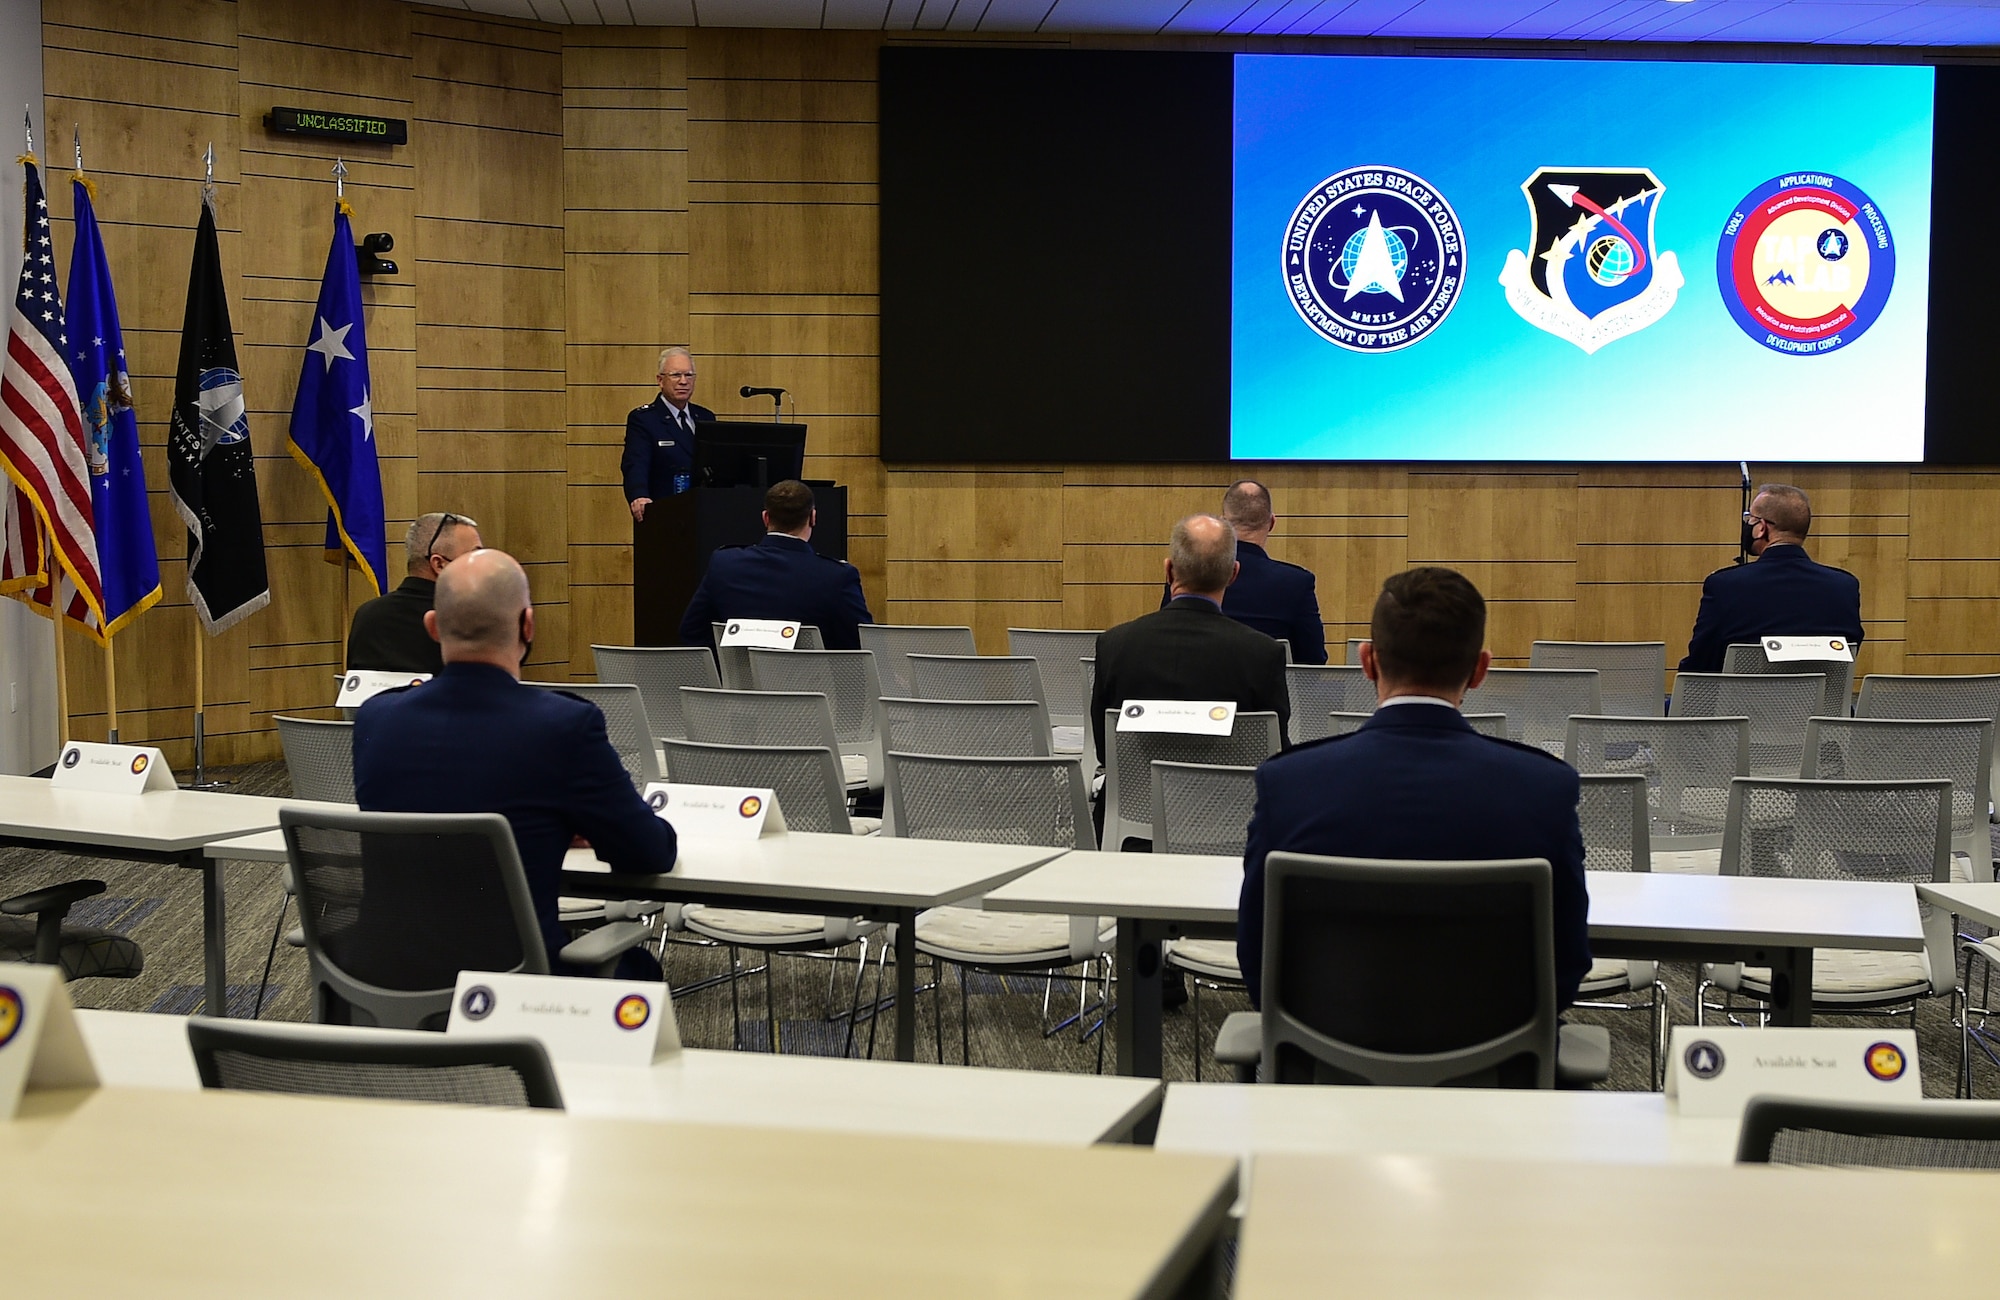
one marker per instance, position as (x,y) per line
(729,454)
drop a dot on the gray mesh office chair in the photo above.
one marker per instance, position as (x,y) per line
(1059,655)
(1486,724)
(1631,675)
(1887,749)
(319,756)
(733,662)
(659,672)
(1864,1135)
(1203,809)
(1354,644)
(1044,801)
(391,1067)
(1896,831)
(1611,809)
(1319,689)
(976,677)
(967,728)
(1687,764)
(1777,706)
(625,721)
(1836,675)
(725,717)
(1971,695)
(83,952)
(848,680)
(892,643)
(1129,758)
(1538,702)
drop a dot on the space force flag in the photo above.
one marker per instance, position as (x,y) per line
(126,561)
(210,469)
(333,419)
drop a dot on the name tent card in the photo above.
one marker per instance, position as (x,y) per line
(1716,1071)
(40,1044)
(580,1021)
(1801,649)
(1188,717)
(760,634)
(716,812)
(364,684)
(112,769)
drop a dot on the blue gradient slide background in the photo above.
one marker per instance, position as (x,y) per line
(1489,386)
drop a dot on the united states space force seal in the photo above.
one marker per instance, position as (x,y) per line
(1805,263)
(1374,259)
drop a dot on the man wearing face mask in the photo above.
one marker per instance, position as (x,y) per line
(1785,593)
(474,739)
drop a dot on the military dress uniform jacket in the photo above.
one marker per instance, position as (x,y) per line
(1784,593)
(656,450)
(1276,598)
(783,578)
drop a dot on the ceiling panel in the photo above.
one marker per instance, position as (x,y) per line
(853,15)
(1111,15)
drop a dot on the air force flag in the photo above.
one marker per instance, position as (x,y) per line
(333,419)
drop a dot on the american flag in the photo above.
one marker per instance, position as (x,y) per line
(41,426)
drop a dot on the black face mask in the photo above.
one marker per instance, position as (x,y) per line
(527,642)
(1749,542)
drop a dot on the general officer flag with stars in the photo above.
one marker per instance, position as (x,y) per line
(210,470)
(127,564)
(333,418)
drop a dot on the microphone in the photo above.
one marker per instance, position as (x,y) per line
(1743,465)
(773,393)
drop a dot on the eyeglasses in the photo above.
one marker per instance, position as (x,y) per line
(677,375)
(1749,518)
(444,523)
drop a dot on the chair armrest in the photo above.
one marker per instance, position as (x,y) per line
(631,909)
(604,943)
(1240,1043)
(51,897)
(1583,1055)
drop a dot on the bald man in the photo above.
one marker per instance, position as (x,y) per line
(473,739)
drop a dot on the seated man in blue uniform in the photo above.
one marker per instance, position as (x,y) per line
(659,436)
(781,578)
(1276,598)
(1785,593)
(1416,781)
(474,739)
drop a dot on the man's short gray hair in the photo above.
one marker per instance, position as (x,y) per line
(676,351)
(1786,508)
(1204,553)
(417,543)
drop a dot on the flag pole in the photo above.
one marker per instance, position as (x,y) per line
(200,755)
(110,661)
(55,619)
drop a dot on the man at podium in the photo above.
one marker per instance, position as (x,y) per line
(659,436)
(781,578)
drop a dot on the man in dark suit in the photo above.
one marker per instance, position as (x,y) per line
(781,577)
(1416,781)
(388,632)
(474,739)
(1188,650)
(659,436)
(1785,593)
(1276,598)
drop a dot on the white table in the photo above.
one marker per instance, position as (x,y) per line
(165,1194)
(1156,897)
(1975,902)
(135,1049)
(164,826)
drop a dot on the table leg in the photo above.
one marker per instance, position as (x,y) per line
(1139,1029)
(214,946)
(906,986)
(1791,987)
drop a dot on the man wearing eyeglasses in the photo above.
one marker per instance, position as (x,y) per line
(1785,593)
(659,436)
(388,633)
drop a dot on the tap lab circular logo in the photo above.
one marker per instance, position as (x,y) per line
(1885,1061)
(139,762)
(788,633)
(1218,713)
(1373,258)
(1836,645)
(1135,710)
(72,756)
(13,1013)
(1806,263)
(750,807)
(633,1011)
(657,800)
(1703,1059)
(478,1002)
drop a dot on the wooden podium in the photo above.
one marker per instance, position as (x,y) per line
(671,546)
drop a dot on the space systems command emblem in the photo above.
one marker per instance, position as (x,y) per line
(1805,263)
(1591,274)
(1374,259)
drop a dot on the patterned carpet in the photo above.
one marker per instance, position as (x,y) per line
(160,906)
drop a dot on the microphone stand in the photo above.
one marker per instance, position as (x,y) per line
(1743,531)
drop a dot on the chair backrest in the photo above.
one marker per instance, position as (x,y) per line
(846,677)
(393,1067)
(1319,689)
(395,905)
(1353,989)
(1839,830)
(319,754)
(625,721)
(1972,695)
(719,717)
(1486,724)
(1354,644)
(1129,758)
(1887,749)
(1063,656)
(1202,807)
(1777,706)
(976,677)
(1631,675)
(893,642)
(1687,764)
(659,671)
(1836,675)
(1538,702)
(806,778)
(1867,1135)
(733,662)
(1611,808)
(966,728)
(1042,801)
